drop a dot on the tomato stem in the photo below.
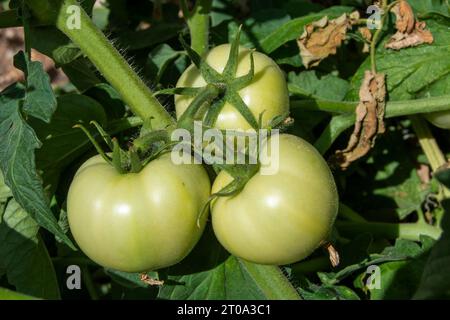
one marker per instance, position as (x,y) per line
(106,58)
(430,148)
(393,108)
(346,117)
(272,281)
(198,23)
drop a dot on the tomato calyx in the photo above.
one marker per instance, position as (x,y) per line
(147,147)
(241,174)
(221,88)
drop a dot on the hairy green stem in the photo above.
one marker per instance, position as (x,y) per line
(393,108)
(408,231)
(346,118)
(106,58)
(272,281)
(198,23)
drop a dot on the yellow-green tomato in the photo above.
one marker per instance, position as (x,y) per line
(280,218)
(440,119)
(267,94)
(137,222)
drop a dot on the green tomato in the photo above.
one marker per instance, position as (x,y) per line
(267,94)
(137,222)
(440,119)
(281,218)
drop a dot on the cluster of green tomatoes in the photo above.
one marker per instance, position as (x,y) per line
(151,219)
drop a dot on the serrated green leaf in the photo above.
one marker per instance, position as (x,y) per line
(53,43)
(160,58)
(425,8)
(17,161)
(39,101)
(24,255)
(307,84)
(412,72)
(258,26)
(399,279)
(61,143)
(209,272)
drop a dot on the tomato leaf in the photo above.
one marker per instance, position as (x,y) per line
(209,272)
(308,85)
(425,8)
(18,144)
(31,271)
(53,43)
(159,59)
(412,72)
(61,143)
(39,101)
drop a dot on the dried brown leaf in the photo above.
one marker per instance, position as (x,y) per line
(369,119)
(417,37)
(367,35)
(321,39)
(405,17)
(410,32)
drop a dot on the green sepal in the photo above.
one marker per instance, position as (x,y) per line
(230,68)
(209,74)
(236,100)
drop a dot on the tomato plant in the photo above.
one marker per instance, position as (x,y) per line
(117,171)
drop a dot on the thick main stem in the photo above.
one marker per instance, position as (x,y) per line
(108,61)
(198,22)
(393,108)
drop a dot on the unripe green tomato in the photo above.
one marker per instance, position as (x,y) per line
(137,222)
(281,218)
(267,94)
(440,119)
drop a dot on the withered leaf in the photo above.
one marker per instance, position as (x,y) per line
(405,17)
(369,119)
(321,39)
(367,35)
(410,33)
(417,37)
